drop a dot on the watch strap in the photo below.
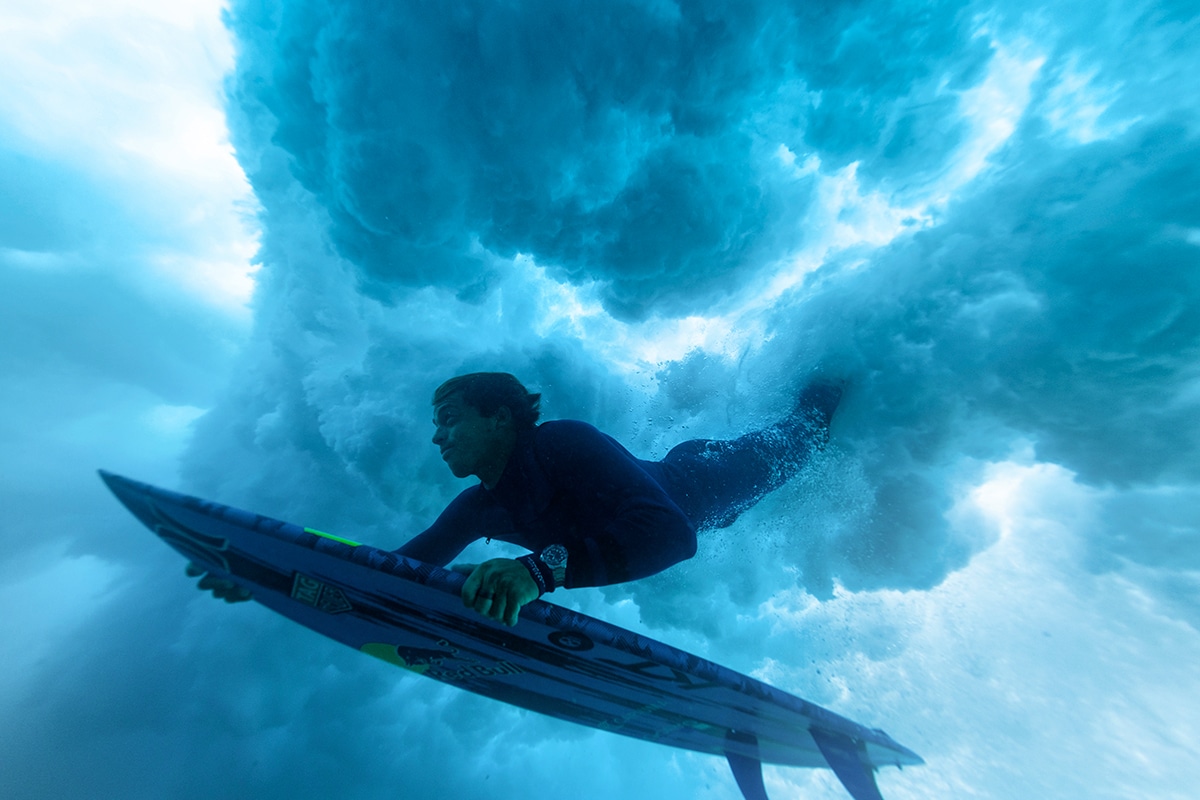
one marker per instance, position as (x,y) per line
(540,573)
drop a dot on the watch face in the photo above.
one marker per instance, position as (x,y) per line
(554,556)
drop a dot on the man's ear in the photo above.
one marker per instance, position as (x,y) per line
(503,416)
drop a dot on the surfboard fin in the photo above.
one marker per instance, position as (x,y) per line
(747,771)
(844,756)
(842,753)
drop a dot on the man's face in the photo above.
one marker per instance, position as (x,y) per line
(469,441)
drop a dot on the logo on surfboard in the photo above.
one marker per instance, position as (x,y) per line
(430,662)
(320,596)
(202,547)
(571,640)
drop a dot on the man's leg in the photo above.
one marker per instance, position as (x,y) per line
(715,481)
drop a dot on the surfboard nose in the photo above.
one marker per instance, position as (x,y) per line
(132,494)
(116,483)
(120,486)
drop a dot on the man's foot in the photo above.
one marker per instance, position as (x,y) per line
(816,404)
(820,397)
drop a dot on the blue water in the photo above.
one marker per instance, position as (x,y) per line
(660,215)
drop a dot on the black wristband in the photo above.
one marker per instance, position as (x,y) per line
(539,572)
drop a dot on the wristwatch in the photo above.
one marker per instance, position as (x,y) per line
(555,557)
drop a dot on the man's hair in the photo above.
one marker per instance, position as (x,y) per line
(486,392)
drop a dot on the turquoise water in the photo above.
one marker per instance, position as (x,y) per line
(661,216)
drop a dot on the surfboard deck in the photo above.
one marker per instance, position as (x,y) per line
(554,661)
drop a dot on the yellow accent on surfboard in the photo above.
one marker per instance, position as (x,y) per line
(387,652)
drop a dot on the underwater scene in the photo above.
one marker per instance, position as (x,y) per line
(693,399)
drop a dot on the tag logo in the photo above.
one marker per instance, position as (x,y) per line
(320,596)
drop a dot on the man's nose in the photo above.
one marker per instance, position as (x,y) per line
(439,436)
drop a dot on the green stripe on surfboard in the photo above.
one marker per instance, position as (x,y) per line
(316,532)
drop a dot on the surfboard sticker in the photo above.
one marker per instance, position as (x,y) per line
(555,661)
(311,591)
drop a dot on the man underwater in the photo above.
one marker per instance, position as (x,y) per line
(589,512)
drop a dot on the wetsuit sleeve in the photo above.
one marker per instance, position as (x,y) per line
(628,527)
(461,523)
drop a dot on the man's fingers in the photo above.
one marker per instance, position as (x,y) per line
(496,589)
(490,600)
(209,582)
(499,606)
(470,589)
(222,588)
(483,603)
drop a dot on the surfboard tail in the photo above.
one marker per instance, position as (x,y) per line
(845,756)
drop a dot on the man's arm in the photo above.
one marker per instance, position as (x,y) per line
(465,520)
(496,588)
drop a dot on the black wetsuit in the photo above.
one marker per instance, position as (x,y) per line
(619,517)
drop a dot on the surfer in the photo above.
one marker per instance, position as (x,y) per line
(589,512)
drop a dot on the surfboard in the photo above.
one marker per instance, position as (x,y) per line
(554,661)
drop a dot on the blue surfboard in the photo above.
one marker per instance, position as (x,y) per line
(555,661)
